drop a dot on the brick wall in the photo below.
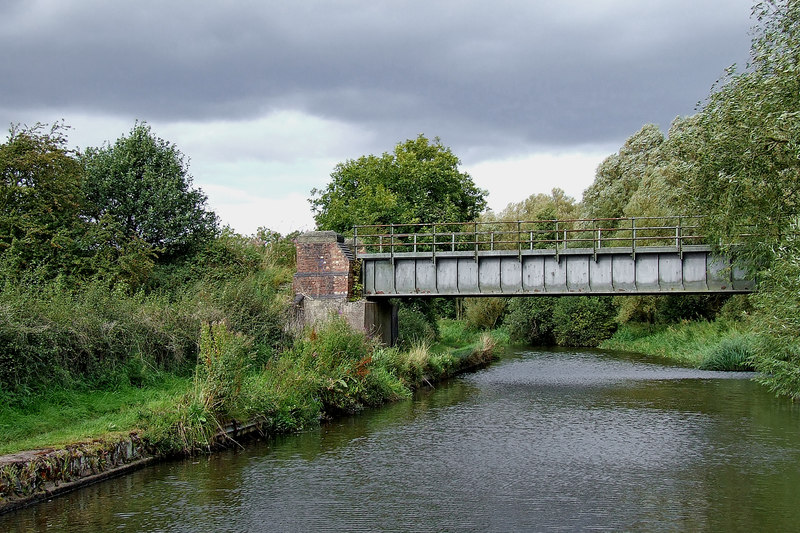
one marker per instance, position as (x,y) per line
(324,266)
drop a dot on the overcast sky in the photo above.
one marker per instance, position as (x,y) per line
(265,97)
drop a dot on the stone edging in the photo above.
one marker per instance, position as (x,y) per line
(37,475)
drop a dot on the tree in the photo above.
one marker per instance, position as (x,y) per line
(40,201)
(143,183)
(538,206)
(620,175)
(418,182)
(743,157)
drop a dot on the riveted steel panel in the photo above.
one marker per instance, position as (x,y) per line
(511,279)
(694,271)
(533,274)
(670,272)
(647,276)
(623,273)
(719,274)
(555,275)
(577,272)
(384,277)
(426,276)
(489,274)
(447,275)
(600,278)
(468,276)
(405,276)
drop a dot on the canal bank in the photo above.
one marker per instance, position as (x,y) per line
(329,373)
(542,439)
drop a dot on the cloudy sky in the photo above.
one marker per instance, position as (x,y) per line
(265,97)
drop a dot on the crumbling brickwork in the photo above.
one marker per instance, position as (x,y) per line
(325,266)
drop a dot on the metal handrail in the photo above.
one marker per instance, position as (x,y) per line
(558,234)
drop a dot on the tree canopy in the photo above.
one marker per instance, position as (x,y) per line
(418,182)
(40,200)
(538,206)
(743,152)
(142,184)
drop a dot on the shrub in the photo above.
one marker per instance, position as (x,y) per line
(583,320)
(530,320)
(484,313)
(414,328)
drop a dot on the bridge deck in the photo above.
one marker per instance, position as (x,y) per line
(644,256)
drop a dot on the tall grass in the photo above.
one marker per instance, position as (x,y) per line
(717,345)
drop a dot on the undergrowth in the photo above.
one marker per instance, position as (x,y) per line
(716,345)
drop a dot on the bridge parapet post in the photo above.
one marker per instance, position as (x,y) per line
(324,286)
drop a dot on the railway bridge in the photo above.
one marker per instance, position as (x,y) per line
(621,256)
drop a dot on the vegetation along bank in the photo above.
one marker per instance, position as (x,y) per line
(124,306)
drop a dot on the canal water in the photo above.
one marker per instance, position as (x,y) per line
(540,441)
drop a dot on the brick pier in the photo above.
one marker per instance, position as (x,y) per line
(324,285)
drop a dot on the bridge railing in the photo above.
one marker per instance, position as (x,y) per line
(596,234)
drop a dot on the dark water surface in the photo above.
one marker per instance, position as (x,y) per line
(541,440)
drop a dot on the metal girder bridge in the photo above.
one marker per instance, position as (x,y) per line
(641,255)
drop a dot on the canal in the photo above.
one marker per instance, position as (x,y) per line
(541,440)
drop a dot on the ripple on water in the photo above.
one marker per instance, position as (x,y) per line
(539,441)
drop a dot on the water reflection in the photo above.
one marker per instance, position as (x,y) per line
(542,440)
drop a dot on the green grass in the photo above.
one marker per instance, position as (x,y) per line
(456,334)
(717,345)
(327,371)
(61,417)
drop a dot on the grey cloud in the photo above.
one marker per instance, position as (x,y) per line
(482,72)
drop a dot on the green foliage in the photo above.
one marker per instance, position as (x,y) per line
(530,320)
(620,175)
(143,184)
(733,353)
(777,321)
(556,205)
(744,149)
(418,182)
(689,343)
(224,359)
(50,336)
(583,321)
(40,204)
(573,321)
(414,327)
(484,313)
(737,307)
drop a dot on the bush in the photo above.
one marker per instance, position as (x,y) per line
(673,308)
(583,320)
(414,328)
(484,313)
(530,320)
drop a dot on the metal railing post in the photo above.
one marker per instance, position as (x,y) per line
(557,235)
(433,250)
(475,240)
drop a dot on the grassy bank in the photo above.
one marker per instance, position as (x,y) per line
(711,345)
(326,372)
